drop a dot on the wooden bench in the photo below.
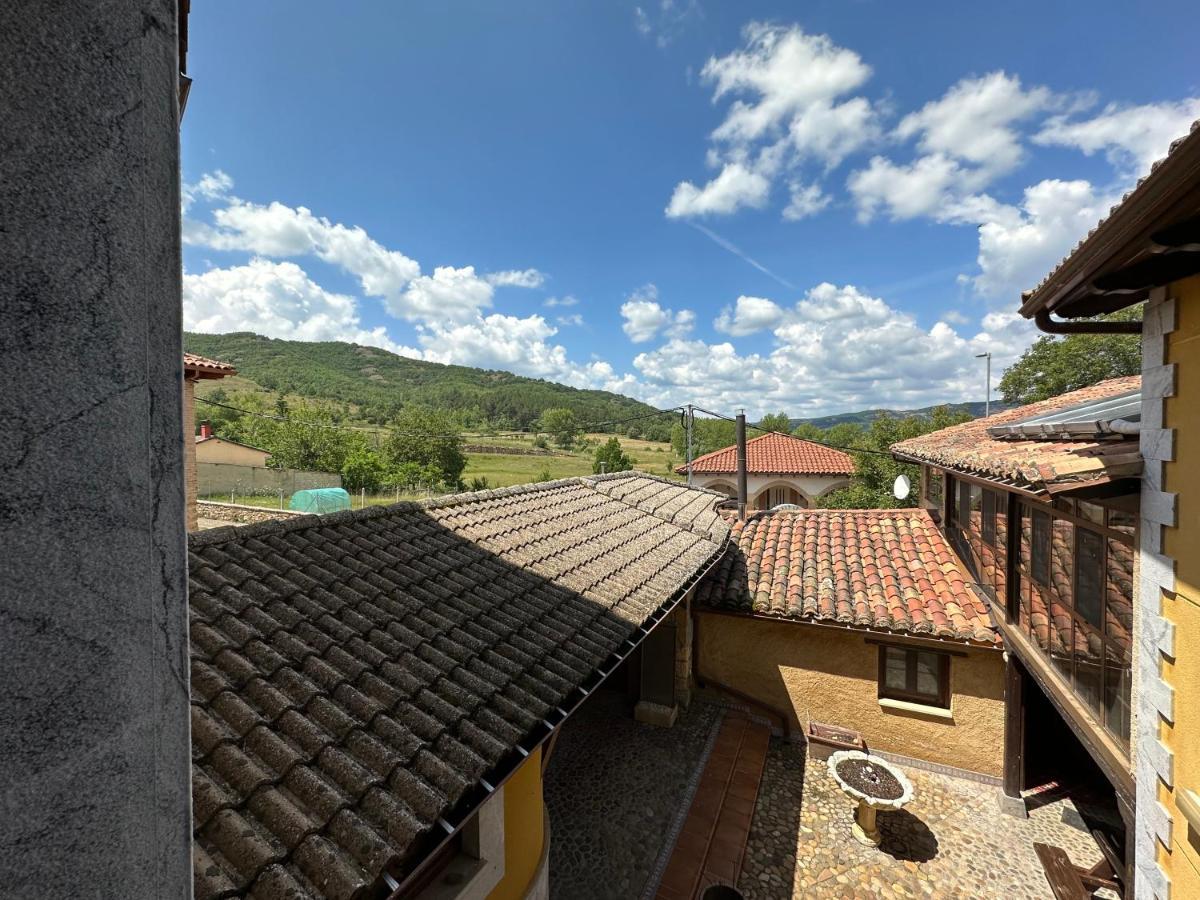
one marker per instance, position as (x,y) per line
(1069,882)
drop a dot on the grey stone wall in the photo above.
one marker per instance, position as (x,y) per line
(93,641)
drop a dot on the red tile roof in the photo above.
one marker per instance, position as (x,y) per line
(203,367)
(1028,463)
(776,454)
(878,568)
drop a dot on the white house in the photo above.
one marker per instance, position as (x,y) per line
(779,469)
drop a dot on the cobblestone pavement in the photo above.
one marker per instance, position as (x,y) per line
(614,789)
(951,841)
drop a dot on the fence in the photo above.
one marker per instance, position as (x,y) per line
(228,481)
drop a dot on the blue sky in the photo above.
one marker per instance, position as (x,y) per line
(810,207)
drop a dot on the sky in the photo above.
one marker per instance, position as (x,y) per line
(809,207)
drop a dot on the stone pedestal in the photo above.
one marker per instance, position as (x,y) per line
(655,713)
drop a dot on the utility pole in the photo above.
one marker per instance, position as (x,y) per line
(987,404)
(691,415)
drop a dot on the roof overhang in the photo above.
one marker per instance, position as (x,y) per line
(1150,239)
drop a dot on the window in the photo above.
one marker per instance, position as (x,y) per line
(1089,576)
(988,526)
(914,676)
(933,486)
(1040,563)
(964,504)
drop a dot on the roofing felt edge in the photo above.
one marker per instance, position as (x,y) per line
(213,536)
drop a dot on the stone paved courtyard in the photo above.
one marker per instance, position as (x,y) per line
(951,841)
(614,789)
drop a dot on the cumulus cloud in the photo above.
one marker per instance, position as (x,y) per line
(211,186)
(737,186)
(748,315)
(1132,137)
(645,318)
(807,200)
(788,105)
(449,293)
(568,300)
(525,278)
(277,299)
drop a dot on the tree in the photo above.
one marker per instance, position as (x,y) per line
(428,439)
(1057,364)
(364,470)
(707,435)
(561,425)
(776,422)
(611,458)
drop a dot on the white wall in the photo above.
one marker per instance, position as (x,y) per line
(810,487)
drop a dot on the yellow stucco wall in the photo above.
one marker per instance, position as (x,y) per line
(219,451)
(831,676)
(523,829)
(189,452)
(1182,544)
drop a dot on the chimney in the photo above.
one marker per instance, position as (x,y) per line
(205,430)
(741,464)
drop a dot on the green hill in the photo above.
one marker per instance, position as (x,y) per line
(374,384)
(865,417)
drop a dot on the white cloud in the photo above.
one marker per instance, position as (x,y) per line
(786,71)
(448,294)
(830,132)
(279,300)
(645,318)
(212,186)
(574,319)
(975,119)
(748,315)
(1132,137)
(568,300)
(525,278)
(737,186)
(641,21)
(666,20)
(923,188)
(807,200)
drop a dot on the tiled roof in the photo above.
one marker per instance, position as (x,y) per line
(355,675)
(776,454)
(205,367)
(878,568)
(1026,462)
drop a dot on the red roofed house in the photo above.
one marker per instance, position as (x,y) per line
(780,469)
(195,368)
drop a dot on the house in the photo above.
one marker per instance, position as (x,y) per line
(1148,250)
(376,693)
(780,469)
(861,619)
(195,368)
(213,449)
(1040,503)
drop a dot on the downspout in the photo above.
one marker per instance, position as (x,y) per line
(1049,325)
(703,680)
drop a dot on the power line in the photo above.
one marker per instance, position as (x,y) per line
(796,437)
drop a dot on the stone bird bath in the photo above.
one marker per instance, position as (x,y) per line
(874,783)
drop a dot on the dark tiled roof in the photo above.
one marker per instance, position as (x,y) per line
(203,367)
(355,675)
(776,454)
(878,568)
(1026,462)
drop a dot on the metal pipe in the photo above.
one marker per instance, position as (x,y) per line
(741,465)
(1057,326)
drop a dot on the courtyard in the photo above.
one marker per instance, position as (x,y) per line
(618,793)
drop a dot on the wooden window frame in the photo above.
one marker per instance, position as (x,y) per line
(941,700)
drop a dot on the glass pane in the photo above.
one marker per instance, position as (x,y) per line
(1089,576)
(896,671)
(1026,606)
(964,504)
(1040,562)
(1039,616)
(1118,677)
(1000,578)
(1122,520)
(927,674)
(988,525)
(1091,511)
(1118,620)
(1088,666)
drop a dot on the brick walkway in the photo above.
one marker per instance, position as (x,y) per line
(713,839)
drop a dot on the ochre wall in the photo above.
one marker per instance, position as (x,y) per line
(523,829)
(1182,544)
(219,451)
(832,676)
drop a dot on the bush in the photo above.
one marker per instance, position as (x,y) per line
(611,458)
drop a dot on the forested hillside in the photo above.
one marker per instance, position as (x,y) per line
(378,384)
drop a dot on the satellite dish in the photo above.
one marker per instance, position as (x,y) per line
(902,487)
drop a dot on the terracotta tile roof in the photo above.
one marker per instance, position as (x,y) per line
(776,454)
(1030,463)
(203,367)
(878,568)
(355,675)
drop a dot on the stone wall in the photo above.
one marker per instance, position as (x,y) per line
(239,514)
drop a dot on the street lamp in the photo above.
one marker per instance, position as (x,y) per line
(987,404)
